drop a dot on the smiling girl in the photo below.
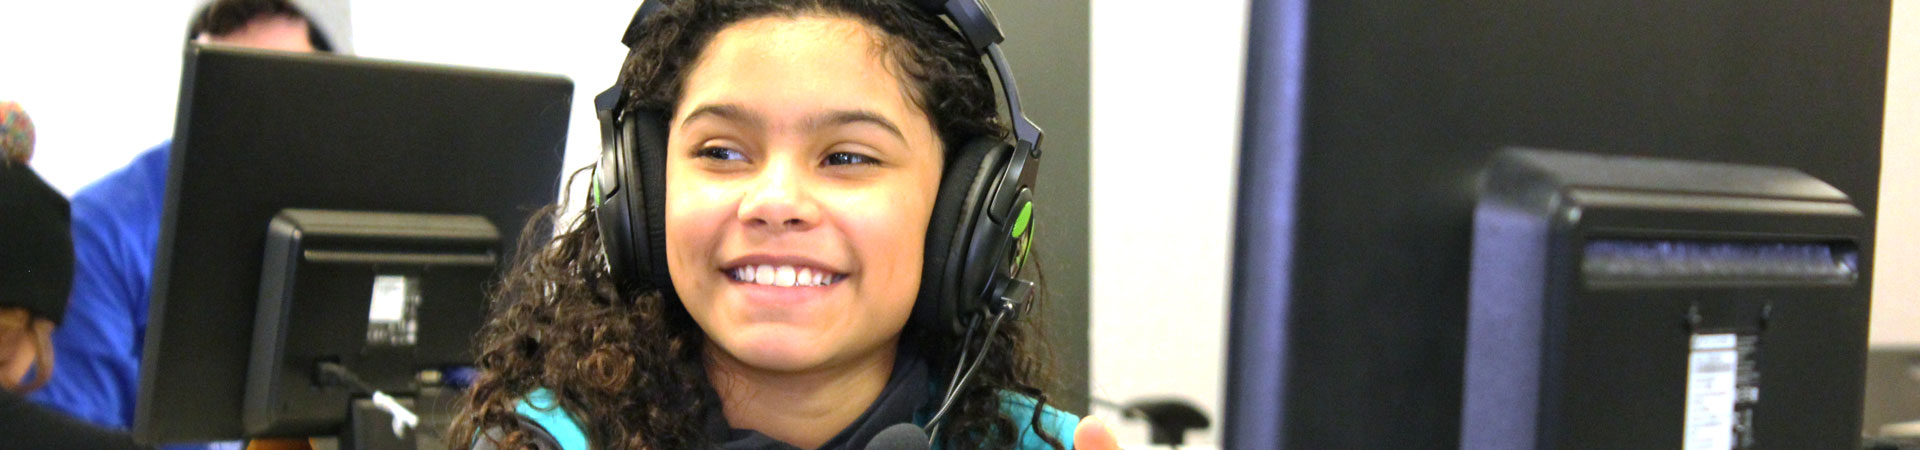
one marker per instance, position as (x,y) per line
(805,148)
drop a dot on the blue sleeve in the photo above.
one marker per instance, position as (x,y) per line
(97,347)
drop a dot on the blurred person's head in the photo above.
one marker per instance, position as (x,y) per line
(263,24)
(36,274)
(16,134)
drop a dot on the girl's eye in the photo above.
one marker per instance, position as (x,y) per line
(844,158)
(721,153)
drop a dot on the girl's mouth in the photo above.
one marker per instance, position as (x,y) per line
(784,275)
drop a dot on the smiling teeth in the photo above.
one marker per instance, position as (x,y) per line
(783,276)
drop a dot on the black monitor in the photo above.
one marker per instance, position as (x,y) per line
(326,216)
(1368,125)
(1650,303)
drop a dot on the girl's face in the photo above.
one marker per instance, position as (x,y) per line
(800,179)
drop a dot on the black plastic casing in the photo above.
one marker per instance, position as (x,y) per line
(316,279)
(259,132)
(1562,356)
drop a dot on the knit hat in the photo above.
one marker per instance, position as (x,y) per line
(16,133)
(36,244)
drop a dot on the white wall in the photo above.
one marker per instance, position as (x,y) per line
(99,80)
(1165,138)
(102,86)
(1896,282)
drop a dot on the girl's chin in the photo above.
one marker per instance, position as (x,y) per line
(786,349)
(778,350)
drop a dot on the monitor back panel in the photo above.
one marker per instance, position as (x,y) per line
(261,131)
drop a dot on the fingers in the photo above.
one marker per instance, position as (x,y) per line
(1093,434)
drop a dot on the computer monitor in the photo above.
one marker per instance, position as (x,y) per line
(1367,126)
(366,202)
(1652,303)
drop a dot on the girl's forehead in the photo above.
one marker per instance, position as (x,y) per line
(797,65)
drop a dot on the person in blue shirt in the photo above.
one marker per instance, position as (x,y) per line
(36,274)
(116,227)
(804,152)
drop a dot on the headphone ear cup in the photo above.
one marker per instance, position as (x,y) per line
(616,243)
(968,179)
(649,131)
(630,215)
(612,208)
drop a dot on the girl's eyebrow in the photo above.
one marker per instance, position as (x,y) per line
(735,113)
(725,111)
(846,117)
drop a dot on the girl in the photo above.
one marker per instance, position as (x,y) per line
(805,148)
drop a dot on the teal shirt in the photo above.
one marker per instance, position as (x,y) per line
(1059,423)
(540,407)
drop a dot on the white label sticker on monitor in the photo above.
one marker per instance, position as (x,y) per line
(389,299)
(1712,377)
(391,315)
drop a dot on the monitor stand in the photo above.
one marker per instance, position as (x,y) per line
(370,427)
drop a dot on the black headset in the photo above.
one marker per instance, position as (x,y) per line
(978,239)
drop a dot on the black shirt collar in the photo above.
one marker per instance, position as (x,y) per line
(905,394)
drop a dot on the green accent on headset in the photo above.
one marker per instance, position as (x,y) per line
(1026,246)
(1026,215)
(595,183)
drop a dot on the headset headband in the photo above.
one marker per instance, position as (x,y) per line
(974,21)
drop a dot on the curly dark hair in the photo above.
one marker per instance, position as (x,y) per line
(632,366)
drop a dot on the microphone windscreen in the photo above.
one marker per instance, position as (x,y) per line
(904,436)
